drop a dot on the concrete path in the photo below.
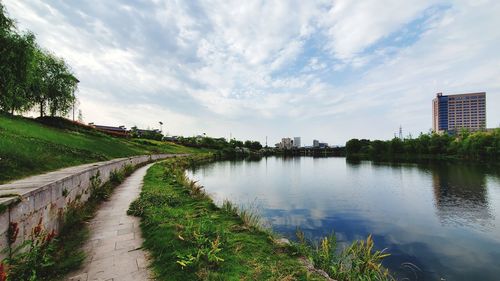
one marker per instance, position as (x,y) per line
(113,250)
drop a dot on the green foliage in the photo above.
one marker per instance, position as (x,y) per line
(220,144)
(203,246)
(358,261)
(469,145)
(28,147)
(190,238)
(34,258)
(254,145)
(116,177)
(146,134)
(32,76)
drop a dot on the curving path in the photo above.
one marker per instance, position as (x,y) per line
(113,250)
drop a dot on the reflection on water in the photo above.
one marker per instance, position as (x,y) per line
(461,197)
(442,218)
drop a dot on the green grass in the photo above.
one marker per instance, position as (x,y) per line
(190,238)
(28,147)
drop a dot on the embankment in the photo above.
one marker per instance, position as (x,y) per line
(43,200)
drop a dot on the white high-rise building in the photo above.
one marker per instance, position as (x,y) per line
(315,143)
(296,142)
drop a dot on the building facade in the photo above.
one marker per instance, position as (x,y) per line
(286,143)
(296,142)
(315,143)
(452,113)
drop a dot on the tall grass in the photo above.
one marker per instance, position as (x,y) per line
(249,215)
(358,261)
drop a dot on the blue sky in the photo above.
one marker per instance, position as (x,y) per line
(327,70)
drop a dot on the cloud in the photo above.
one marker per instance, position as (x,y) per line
(319,69)
(356,25)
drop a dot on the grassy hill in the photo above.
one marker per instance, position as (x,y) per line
(30,146)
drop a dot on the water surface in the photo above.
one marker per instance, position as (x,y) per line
(443,218)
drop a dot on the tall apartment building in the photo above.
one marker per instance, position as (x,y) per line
(286,143)
(296,142)
(452,113)
(315,143)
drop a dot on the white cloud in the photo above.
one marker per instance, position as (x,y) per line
(355,25)
(319,69)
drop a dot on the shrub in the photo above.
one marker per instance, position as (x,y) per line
(358,261)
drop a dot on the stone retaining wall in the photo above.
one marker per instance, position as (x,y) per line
(43,199)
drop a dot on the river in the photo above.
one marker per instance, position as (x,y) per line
(439,221)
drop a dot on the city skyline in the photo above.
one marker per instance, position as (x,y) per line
(271,69)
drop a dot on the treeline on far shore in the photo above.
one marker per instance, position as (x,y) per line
(221,144)
(481,145)
(31,77)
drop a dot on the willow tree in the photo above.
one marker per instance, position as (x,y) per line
(31,76)
(16,56)
(54,86)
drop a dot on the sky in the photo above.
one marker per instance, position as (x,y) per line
(326,70)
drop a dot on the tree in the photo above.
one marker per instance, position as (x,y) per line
(30,76)
(236,143)
(253,145)
(16,55)
(54,86)
(353,146)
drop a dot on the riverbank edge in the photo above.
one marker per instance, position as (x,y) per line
(258,253)
(418,158)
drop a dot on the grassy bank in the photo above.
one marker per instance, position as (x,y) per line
(28,147)
(192,239)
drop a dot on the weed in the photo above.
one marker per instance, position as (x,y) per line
(358,261)
(32,259)
(116,177)
(128,169)
(3,208)
(229,208)
(249,215)
(99,191)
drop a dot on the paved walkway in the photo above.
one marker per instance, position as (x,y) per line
(113,250)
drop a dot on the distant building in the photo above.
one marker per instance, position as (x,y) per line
(315,143)
(452,113)
(296,142)
(286,143)
(111,130)
(323,145)
(171,138)
(144,131)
